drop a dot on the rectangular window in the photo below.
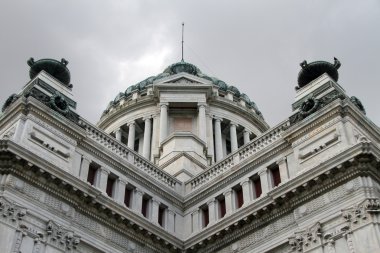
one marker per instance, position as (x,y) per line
(239,197)
(205,218)
(222,207)
(92,170)
(145,206)
(275,172)
(110,185)
(161,215)
(257,187)
(128,197)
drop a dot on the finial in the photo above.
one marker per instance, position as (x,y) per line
(183,28)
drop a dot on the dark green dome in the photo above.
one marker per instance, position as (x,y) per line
(181,67)
(53,67)
(234,90)
(311,71)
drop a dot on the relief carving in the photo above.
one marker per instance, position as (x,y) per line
(61,237)
(305,239)
(10,211)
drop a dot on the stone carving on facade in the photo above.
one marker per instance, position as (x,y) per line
(10,100)
(306,239)
(358,103)
(10,211)
(312,104)
(61,237)
(360,214)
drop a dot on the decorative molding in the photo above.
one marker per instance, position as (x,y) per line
(306,239)
(61,237)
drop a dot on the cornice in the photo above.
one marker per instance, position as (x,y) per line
(84,198)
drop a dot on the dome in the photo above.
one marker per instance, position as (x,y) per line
(311,71)
(53,67)
(182,66)
(234,90)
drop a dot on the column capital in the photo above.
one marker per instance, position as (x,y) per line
(131,123)
(170,211)
(227,192)
(104,170)
(87,158)
(245,181)
(147,118)
(281,160)
(155,201)
(123,181)
(262,171)
(245,130)
(234,124)
(163,104)
(139,191)
(217,118)
(211,201)
(200,104)
(196,211)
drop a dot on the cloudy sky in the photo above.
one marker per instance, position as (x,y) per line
(254,45)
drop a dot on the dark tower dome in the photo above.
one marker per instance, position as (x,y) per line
(311,71)
(53,67)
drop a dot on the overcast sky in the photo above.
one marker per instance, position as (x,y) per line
(254,45)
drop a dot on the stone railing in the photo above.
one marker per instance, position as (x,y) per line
(121,150)
(236,157)
(262,141)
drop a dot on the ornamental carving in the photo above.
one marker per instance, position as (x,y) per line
(58,103)
(61,237)
(10,211)
(360,214)
(306,239)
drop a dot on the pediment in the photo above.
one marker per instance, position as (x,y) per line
(184,78)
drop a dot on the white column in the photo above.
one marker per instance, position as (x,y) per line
(211,211)
(83,174)
(118,134)
(102,178)
(147,134)
(264,181)
(283,167)
(228,200)
(131,135)
(163,121)
(120,191)
(246,186)
(246,136)
(155,212)
(202,122)
(137,200)
(155,136)
(233,137)
(218,139)
(195,221)
(170,223)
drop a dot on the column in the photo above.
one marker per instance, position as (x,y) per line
(83,174)
(155,207)
(137,200)
(233,137)
(228,200)
(246,186)
(211,211)
(155,136)
(264,181)
(163,121)
(246,136)
(131,135)
(283,167)
(119,191)
(210,140)
(218,139)
(170,224)
(102,178)
(147,135)
(118,134)
(195,221)
(202,122)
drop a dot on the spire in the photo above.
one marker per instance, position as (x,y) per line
(183,28)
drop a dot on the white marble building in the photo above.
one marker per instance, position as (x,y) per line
(182,162)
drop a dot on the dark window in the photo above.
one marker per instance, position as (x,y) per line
(128,197)
(257,187)
(110,184)
(228,146)
(205,216)
(92,173)
(275,171)
(144,208)
(222,207)
(239,197)
(137,143)
(161,213)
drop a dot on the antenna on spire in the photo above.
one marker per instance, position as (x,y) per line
(183,28)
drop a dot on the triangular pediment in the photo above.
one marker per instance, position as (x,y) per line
(184,78)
